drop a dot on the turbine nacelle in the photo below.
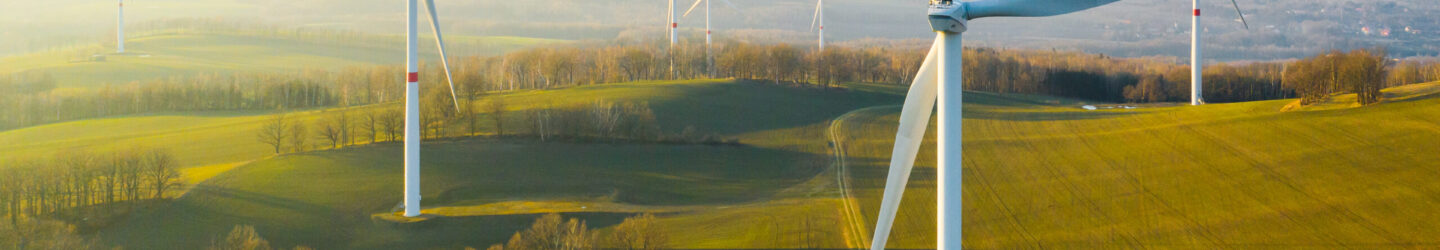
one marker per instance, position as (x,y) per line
(948,16)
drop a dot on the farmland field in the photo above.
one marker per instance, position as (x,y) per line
(1224,175)
(168,54)
(1240,175)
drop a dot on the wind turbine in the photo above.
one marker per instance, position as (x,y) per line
(710,58)
(674,24)
(940,78)
(1196,59)
(820,20)
(674,38)
(120,28)
(412,101)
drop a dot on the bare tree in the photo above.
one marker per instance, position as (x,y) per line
(298,132)
(496,108)
(132,175)
(161,171)
(275,131)
(371,123)
(392,121)
(342,121)
(331,130)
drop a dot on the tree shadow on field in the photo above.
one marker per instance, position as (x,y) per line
(744,106)
(1045,116)
(208,212)
(879,169)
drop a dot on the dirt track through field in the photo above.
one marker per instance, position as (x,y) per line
(855,220)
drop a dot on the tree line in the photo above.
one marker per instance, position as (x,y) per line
(31,99)
(1362,72)
(551,232)
(598,121)
(76,185)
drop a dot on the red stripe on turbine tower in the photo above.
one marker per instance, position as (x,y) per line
(675,25)
(1197,12)
(413,77)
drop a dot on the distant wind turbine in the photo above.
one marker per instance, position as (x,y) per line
(1197,62)
(120,28)
(412,101)
(940,78)
(819,21)
(709,55)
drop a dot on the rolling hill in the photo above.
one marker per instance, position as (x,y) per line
(166,54)
(772,184)
(1240,175)
(1041,172)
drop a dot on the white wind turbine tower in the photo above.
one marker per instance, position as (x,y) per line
(819,21)
(412,101)
(940,78)
(674,25)
(1197,62)
(710,57)
(120,28)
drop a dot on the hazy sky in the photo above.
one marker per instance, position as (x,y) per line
(1112,25)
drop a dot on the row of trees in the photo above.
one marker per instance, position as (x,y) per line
(1362,72)
(205,92)
(85,185)
(551,232)
(30,99)
(603,120)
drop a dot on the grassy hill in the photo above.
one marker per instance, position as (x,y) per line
(1041,172)
(178,53)
(1218,176)
(749,196)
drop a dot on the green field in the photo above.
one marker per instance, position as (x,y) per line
(169,54)
(1240,175)
(1243,175)
(749,196)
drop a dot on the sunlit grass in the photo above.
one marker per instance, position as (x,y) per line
(168,55)
(1220,175)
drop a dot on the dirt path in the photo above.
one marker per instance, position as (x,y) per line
(856,221)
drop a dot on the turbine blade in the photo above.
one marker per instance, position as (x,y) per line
(914,119)
(993,8)
(816,19)
(732,6)
(692,8)
(440,44)
(1241,14)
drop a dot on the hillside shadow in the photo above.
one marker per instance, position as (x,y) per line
(210,212)
(1045,116)
(871,167)
(741,106)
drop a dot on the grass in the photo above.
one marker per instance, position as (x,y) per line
(1040,173)
(167,55)
(487,189)
(324,199)
(208,138)
(1240,175)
